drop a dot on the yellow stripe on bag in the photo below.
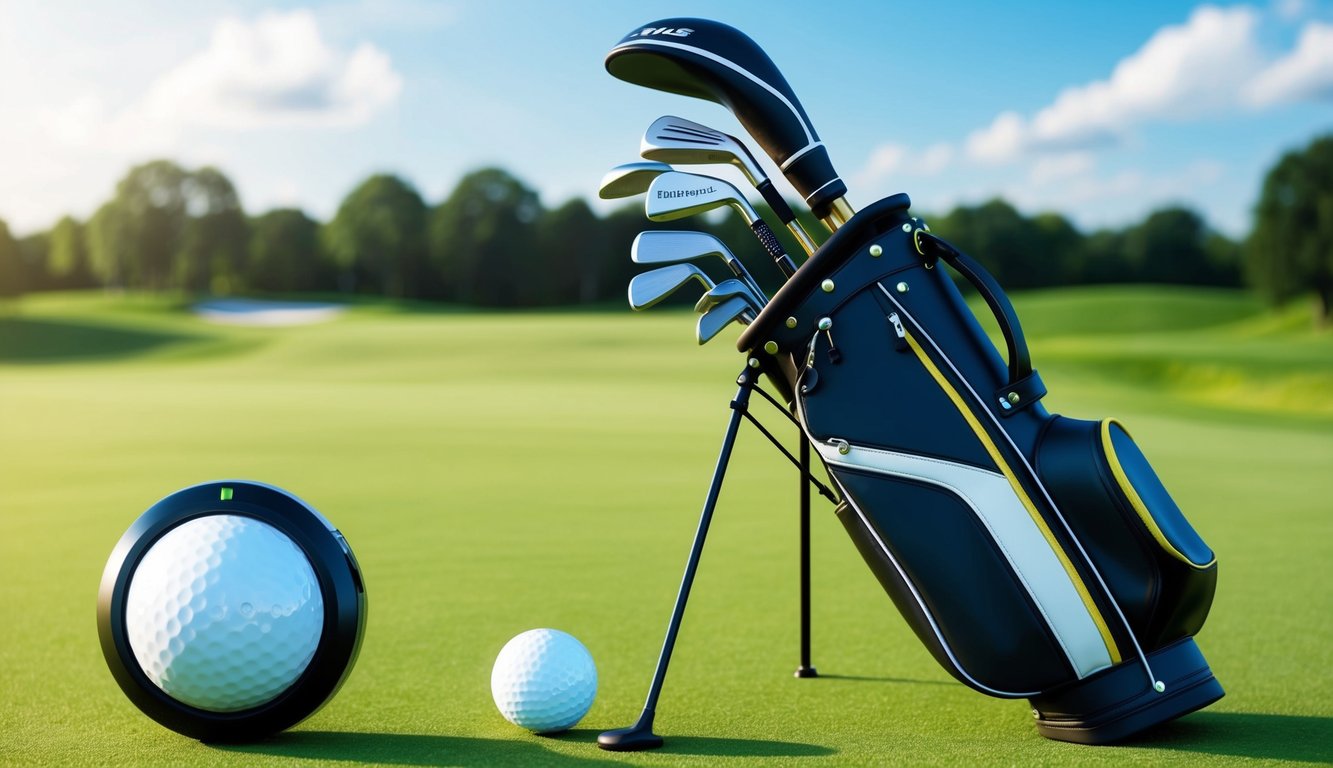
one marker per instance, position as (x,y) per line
(994,452)
(1136,501)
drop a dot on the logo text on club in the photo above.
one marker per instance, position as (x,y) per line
(672,31)
(669,194)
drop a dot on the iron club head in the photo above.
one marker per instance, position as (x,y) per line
(649,288)
(717,318)
(630,179)
(675,195)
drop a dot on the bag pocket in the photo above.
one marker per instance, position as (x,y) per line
(1157,567)
(1142,491)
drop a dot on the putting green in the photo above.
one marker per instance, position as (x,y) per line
(500,472)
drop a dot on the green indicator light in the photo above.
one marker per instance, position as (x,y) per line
(226,494)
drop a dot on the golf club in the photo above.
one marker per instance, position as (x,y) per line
(673,139)
(630,179)
(669,247)
(723,291)
(675,195)
(708,60)
(649,288)
(717,318)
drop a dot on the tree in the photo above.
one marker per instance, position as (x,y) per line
(216,234)
(1171,246)
(483,242)
(378,238)
(286,254)
(109,246)
(148,212)
(67,258)
(1003,240)
(1290,249)
(572,242)
(12,282)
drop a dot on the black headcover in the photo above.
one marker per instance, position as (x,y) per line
(712,61)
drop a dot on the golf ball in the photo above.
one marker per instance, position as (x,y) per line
(224,612)
(544,680)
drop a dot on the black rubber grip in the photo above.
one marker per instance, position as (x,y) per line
(775,201)
(773,247)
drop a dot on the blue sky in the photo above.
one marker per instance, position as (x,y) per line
(1100,111)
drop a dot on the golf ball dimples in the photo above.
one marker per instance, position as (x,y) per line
(544,680)
(224,613)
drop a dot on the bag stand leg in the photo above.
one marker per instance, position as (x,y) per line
(806,669)
(640,736)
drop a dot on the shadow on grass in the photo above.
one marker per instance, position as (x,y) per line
(27,340)
(869,679)
(420,749)
(1241,734)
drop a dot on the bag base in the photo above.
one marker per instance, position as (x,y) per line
(1117,703)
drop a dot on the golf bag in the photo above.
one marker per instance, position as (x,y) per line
(1035,555)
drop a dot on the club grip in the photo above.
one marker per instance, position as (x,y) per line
(716,62)
(773,247)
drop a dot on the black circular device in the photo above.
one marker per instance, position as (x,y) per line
(246,615)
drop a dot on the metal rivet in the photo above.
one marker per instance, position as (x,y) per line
(771,347)
(791,322)
(827,285)
(1013,397)
(907,227)
(844,447)
(1036,714)
(754,362)
(825,323)
(1159,686)
(902,287)
(876,251)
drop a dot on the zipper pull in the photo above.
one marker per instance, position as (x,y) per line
(826,325)
(900,333)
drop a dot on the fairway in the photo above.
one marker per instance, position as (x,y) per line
(500,472)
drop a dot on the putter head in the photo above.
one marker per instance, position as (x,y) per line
(673,139)
(669,247)
(723,291)
(719,317)
(675,195)
(630,179)
(649,288)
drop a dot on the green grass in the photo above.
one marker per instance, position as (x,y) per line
(496,473)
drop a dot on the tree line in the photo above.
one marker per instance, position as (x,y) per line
(492,243)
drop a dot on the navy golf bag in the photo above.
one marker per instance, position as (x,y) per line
(1035,555)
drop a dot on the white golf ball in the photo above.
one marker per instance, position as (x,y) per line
(544,680)
(224,613)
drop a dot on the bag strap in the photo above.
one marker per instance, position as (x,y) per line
(1025,386)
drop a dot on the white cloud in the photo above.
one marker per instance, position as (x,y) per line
(1290,10)
(1305,74)
(1055,168)
(275,71)
(889,160)
(1182,71)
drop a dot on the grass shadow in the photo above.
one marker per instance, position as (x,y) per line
(434,750)
(28,340)
(870,679)
(410,749)
(1297,738)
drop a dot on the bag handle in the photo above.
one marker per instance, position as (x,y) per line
(1024,385)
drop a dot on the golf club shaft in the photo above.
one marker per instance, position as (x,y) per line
(786,215)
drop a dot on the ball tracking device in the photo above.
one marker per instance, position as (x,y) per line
(230,611)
